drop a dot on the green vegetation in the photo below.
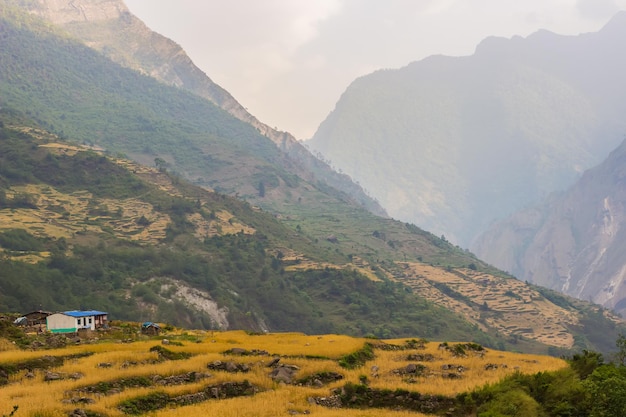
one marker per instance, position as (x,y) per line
(13,333)
(590,387)
(562,393)
(362,396)
(158,400)
(358,358)
(129,382)
(166,354)
(150,402)
(45,362)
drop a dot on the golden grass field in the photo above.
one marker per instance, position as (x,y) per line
(36,397)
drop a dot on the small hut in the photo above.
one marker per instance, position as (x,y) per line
(150,328)
(38,317)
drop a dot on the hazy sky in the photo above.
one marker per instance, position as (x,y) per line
(288,61)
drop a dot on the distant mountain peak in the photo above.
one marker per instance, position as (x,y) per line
(499,45)
(491,43)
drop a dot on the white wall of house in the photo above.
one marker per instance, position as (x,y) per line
(60,323)
(86,322)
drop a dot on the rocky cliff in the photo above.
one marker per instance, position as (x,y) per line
(575,242)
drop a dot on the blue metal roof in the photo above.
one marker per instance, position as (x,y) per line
(86,313)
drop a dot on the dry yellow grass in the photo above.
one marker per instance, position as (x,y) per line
(36,397)
(6,345)
(48,221)
(473,364)
(64,215)
(306,265)
(299,262)
(274,403)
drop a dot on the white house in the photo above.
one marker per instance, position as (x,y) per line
(72,321)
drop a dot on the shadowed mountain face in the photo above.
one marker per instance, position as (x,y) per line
(452,144)
(574,242)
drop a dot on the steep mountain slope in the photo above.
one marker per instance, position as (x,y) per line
(122,111)
(452,144)
(575,241)
(110,28)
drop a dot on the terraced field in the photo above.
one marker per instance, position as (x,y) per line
(507,305)
(238,374)
(69,215)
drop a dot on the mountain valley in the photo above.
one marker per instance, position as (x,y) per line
(97,209)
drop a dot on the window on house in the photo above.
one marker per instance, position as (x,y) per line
(78,322)
(89,320)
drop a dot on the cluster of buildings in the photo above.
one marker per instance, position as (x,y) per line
(66,321)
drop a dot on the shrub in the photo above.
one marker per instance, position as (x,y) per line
(151,402)
(515,403)
(356,359)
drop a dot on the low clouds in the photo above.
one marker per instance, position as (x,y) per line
(288,61)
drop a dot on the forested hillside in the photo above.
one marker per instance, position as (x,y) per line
(112,104)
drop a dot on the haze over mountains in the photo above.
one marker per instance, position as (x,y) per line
(454,143)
